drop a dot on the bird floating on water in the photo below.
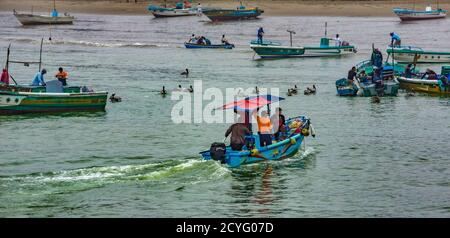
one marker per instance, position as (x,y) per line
(191,89)
(115,98)
(294,90)
(163,91)
(186,73)
(310,91)
(289,92)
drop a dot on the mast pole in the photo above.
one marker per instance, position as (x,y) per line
(40,55)
(54,4)
(326,25)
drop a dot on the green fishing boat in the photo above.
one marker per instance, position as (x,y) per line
(53,97)
(29,102)
(268,50)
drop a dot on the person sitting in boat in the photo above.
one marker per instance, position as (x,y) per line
(5,77)
(351,75)
(39,78)
(395,40)
(260,35)
(238,132)
(409,71)
(201,40)
(337,40)
(193,39)
(430,74)
(264,127)
(224,40)
(62,76)
(377,58)
(279,120)
(363,78)
(443,83)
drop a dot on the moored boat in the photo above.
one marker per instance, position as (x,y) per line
(412,54)
(53,18)
(412,15)
(208,46)
(323,50)
(240,13)
(28,102)
(296,130)
(30,19)
(178,11)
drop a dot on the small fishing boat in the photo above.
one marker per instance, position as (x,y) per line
(296,130)
(412,54)
(53,18)
(178,11)
(437,87)
(388,85)
(208,46)
(27,102)
(240,13)
(412,15)
(270,49)
(53,97)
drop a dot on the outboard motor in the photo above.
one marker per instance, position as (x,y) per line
(218,151)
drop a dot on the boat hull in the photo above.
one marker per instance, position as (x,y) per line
(408,55)
(389,88)
(197,46)
(229,15)
(12,103)
(431,87)
(174,13)
(277,51)
(29,19)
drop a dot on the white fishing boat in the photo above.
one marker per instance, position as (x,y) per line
(53,18)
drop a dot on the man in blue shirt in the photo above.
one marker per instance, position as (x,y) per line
(54,13)
(39,78)
(260,35)
(395,39)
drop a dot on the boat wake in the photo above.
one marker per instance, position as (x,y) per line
(85,43)
(177,173)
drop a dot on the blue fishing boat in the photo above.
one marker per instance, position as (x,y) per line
(297,129)
(208,46)
(366,86)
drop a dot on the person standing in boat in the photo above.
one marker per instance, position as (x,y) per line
(337,40)
(62,76)
(351,75)
(54,13)
(279,121)
(260,35)
(264,128)
(396,41)
(39,78)
(199,9)
(377,58)
(238,132)
(409,71)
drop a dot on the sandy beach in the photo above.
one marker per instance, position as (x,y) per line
(271,7)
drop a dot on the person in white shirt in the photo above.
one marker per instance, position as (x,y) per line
(337,40)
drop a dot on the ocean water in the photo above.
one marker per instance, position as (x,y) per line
(368,160)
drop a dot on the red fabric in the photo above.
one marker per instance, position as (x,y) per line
(5,77)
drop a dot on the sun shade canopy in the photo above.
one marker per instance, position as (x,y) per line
(252,103)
